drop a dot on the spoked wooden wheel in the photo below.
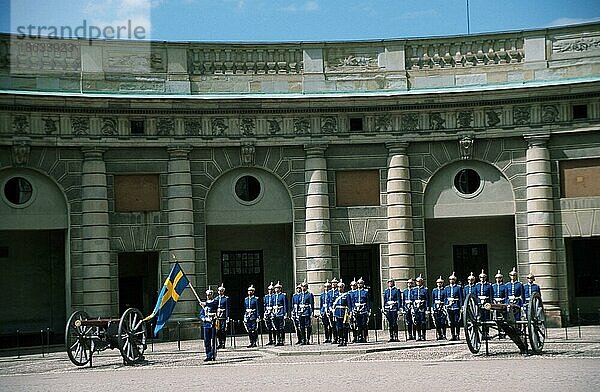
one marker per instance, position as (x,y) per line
(536,323)
(132,336)
(472,323)
(78,339)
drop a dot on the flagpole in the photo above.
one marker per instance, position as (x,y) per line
(189,283)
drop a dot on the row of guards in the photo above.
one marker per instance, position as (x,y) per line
(340,312)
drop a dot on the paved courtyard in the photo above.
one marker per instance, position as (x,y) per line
(572,364)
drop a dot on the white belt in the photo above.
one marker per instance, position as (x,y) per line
(499,299)
(407,301)
(451,300)
(250,310)
(391,302)
(512,297)
(302,306)
(438,301)
(482,297)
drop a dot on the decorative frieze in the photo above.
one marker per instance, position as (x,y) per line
(270,60)
(165,126)
(192,127)
(218,126)
(436,121)
(20,124)
(329,124)
(301,126)
(109,127)
(464,119)
(549,113)
(247,126)
(80,126)
(521,115)
(275,125)
(409,122)
(576,43)
(143,59)
(352,60)
(492,117)
(383,123)
(463,52)
(51,125)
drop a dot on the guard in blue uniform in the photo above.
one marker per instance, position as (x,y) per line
(279,313)
(268,313)
(469,288)
(407,308)
(306,306)
(438,306)
(499,288)
(222,316)
(420,298)
(251,316)
(353,327)
(485,294)
(454,300)
(208,316)
(528,289)
(392,298)
(361,309)
(342,306)
(295,313)
(324,311)
(514,292)
(331,297)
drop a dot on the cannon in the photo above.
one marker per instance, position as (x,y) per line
(527,333)
(85,336)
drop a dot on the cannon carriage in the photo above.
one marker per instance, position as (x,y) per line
(85,336)
(528,333)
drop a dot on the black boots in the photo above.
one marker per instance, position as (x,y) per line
(280,337)
(271,342)
(253,337)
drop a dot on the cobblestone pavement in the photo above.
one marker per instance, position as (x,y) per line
(573,364)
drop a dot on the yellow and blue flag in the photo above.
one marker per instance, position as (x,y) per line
(169,295)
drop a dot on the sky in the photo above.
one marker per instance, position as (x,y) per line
(287,20)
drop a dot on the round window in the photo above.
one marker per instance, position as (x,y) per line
(18,190)
(467,181)
(247,188)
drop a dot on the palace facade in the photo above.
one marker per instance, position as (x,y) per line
(254,163)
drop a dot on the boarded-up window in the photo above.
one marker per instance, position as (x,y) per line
(357,188)
(137,193)
(580,178)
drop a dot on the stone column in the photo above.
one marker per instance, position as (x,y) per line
(399,214)
(95,235)
(181,225)
(318,238)
(540,222)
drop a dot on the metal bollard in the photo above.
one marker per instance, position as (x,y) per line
(579,322)
(42,336)
(18,343)
(48,340)
(179,335)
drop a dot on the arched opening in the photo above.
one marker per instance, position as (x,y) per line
(249,233)
(33,235)
(469,221)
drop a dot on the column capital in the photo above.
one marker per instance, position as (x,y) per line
(315,150)
(93,153)
(396,147)
(179,152)
(537,140)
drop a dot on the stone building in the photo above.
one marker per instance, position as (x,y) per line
(254,163)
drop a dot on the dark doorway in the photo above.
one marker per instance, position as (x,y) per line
(138,281)
(239,270)
(363,261)
(470,258)
(33,267)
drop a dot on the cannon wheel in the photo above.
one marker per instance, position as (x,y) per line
(78,339)
(472,323)
(132,336)
(536,323)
